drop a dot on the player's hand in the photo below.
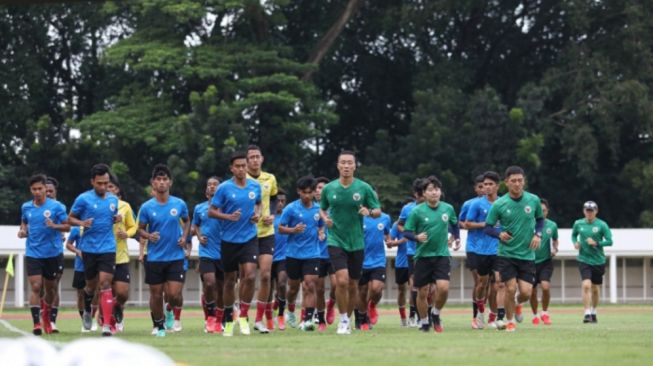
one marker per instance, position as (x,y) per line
(321,235)
(22,233)
(49,223)
(122,234)
(422,237)
(390,244)
(591,242)
(328,222)
(203,239)
(299,228)
(255,217)
(87,223)
(117,218)
(363,211)
(234,216)
(78,253)
(141,257)
(535,242)
(154,237)
(450,241)
(554,251)
(182,242)
(577,245)
(456,244)
(505,236)
(268,220)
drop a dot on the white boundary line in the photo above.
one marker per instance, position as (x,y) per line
(11,328)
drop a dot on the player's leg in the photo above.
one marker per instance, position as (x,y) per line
(229,296)
(36,283)
(210,297)
(121,281)
(534,302)
(510,303)
(265,256)
(106,266)
(375,289)
(360,313)
(308,294)
(331,302)
(401,303)
(54,309)
(441,296)
(156,307)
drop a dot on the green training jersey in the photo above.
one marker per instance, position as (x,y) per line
(597,230)
(435,223)
(549,234)
(343,205)
(516,217)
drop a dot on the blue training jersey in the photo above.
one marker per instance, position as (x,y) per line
(374,230)
(229,198)
(99,238)
(210,228)
(280,241)
(482,243)
(75,237)
(401,260)
(164,218)
(42,241)
(305,245)
(403,217)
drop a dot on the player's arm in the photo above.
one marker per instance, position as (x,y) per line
(71,247)
(130,224)
(607,237)
(536,241)
(185,232)
(574,237)
(22,232)
(257,212)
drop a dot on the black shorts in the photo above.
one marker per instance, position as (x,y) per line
(432,269)
(325,268)
(60,269)
(411,264)
(79,281)
(372,274)
(121,274)
(543,271)
(592,272)
(266,245)
(402,275)
(351,261)
(278,267)
(157,273)
(480,263)
(49,268)
(234,254)
(95,263)
(208,265)
(298,268)
(510,268)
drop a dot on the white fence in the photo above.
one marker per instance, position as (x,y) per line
(628,278)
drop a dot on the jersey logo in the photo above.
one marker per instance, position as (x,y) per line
(95,205)
(549,231)
(173,212)
(380,226)
(334,196)
(426,219)
(528,209)
(47,214)
(112,207)
(233,195)
(316,217)
(445,217)
(356,196)
(508,211)
(595,230)
(251,195)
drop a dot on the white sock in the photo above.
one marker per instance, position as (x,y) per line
(435,311)
(588,312)
(424,321)
(544,312)
(593,311)
(344,318)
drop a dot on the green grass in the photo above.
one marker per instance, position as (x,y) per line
(622,336)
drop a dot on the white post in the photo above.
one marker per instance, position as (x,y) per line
(563,281)
(19,281)
(140,283)
(645,279)
(462,282)
(613,278)
(623,279)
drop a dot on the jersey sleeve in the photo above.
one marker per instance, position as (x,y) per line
(371,200)
(219,197)
(130,223)
(78,207)
(464,211)
(538,208)
(74,235)
(184,210)
(403,215)
(411,222)
(607,236)
(554,234)
(324,201)
(286,216)
(493,215)
(453,219)
(387,225)
(197,218)
(274,189)
(574,233)
(143,217)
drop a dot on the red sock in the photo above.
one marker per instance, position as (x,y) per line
(206,311)
(331,303)
(244,308)
(219,313)
(268,311)
(275,304)
(168,307)
(260,310)
(302,313)
(177,311)
(291,308)
(402,312)
(106,301)
(372,305)
(481,305)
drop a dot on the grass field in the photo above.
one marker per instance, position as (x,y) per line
(623,336)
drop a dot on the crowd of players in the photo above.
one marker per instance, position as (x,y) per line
(336,229)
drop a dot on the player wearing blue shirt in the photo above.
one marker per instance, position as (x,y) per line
(97,210)
(160,222)
(325,310)
(208,233)
(402,276)
(79,282)
(481,248)
(370,286)
(51,187)
(279,274)
(237,204)
(302,223)
(42,221)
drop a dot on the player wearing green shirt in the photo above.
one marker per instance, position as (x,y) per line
(429,225)
(343,203)
(520,215)
(589,236)
(544,266)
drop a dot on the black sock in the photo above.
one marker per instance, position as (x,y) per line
(430,315)
(320,316)
(413,311)
(282,305)
(152,317)
(475,307)
(159,324)
(308,315)
(357,316)
(413,298)
(54,311)
(36,314)
(501,312)
(81,314)
(228,314)
(210,308)
(88,299)
(118,313)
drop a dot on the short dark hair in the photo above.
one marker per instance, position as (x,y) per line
(544,202)
(319,180)
(236,156)
(114,180)
(494,176)
(253,147)
(38,178)
(281,191)
(432,179)
(213,177)
(53,181)
(161,170)
(346,152)
(99,169)
(479,179)
(513,170)
(306,182)
(418,186)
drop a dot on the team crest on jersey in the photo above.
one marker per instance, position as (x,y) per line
(380,226)
(173,212)
(528,209)
(356,196)
(549,231)
(316,217)
(445,217)
(595,230)
(251,195)
(47,214)
(112,207)
(266,186)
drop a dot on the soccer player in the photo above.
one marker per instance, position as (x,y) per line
(237,203)
(51,187)
(42,221)
(402,275)
(123,230)
(325,310)
(473,232)
(343,204)
(481,248)
(544,266)
(208,233)
(372,281)
(265,231)
(302,223)
(590,235)
(279,274)
(520,215)
(97,210)
(163,221)
(73,244)
(429,224)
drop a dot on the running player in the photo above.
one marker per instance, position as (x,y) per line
(590,235)
(520,215)
(42,222)
(208,233)
(429,224)
(73,244)
(344,202)
(302,223)
(265,232)
(279,274)
(237,203)
(402,275)
(328,316)
(51,187)
(160,222)
(97,210)
(544,266)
